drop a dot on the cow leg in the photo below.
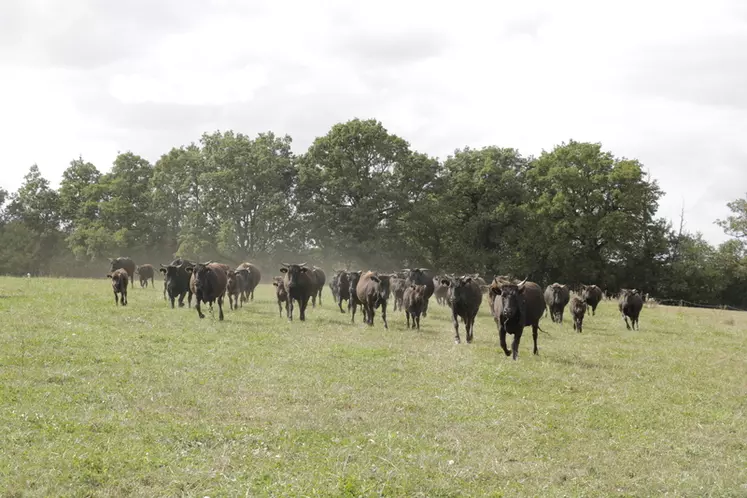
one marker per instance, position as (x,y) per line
(320,296)
(369,314)
(502,337)
(313,300)
(626,321)
(594,310)
(469,326)
(172,299)
(339,303)
(407,315)
(352,308)
(280,308)
(425,309)
(189,299)
(417,317)
(535,328)
(383,314)
(302,309)
(220,308)
(455,324)
(515,344)
(289,308)
(197,307)
(116,298)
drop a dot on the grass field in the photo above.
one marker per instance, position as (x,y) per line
(148,401)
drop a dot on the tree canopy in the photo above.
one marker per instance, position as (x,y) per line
(362,196)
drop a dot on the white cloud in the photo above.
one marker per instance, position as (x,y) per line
(664,82)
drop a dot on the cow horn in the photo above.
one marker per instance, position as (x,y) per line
(521,284)
(302,264)
(284,264)
(423,269)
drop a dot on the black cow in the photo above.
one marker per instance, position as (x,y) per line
(592,295)
(464,298)
(319,279)
(630,305)
(249,277)
(514,307)
(556,299)
(209,282)
(145,272)
(299,283)
(340,286)
(399,285)
(176,280)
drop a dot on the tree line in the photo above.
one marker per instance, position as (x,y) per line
(361,197)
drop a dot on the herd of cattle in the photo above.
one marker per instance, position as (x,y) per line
(513,304)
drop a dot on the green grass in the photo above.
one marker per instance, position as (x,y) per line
(144,400)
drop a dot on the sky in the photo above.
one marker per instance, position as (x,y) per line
(661,81)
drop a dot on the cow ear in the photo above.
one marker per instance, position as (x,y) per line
(283,270)
(375,278)
(468,280)
(304,269)
(190,269)
(445,282)
(275,284)
(163,270)
(108,275)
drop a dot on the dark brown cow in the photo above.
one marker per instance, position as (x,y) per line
(556,299)
(299,283)
(145,272)
(578,310)
(233,289)
(464,298)
(126,264)
(319,279)
(249,278)
(399,285)
(281,294)
(630,305)
(373,291)
(209,285)
(516,306)
(592,295)
(120,278)
(413,302)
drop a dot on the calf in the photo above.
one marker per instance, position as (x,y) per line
(630,306)
(464,298)
(398,291)
(420,276)
(145,272)
(233,289)
(120,279)
(578,310)
(208,282)
(125,263)
(281,294)
(413,301)
(373,292)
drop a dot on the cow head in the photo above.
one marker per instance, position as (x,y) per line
(417,292)
(116,264)
(513,306)
(354,277)
(457,285)
(558,292)
(293,272)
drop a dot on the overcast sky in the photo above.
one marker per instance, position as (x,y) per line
(658,80)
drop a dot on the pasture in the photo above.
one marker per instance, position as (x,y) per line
(100,400)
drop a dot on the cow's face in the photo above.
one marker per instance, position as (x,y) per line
(293,273)
(343,280)
(354,277)
(418,292)
(557,292)
(512,302)
(200,272)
